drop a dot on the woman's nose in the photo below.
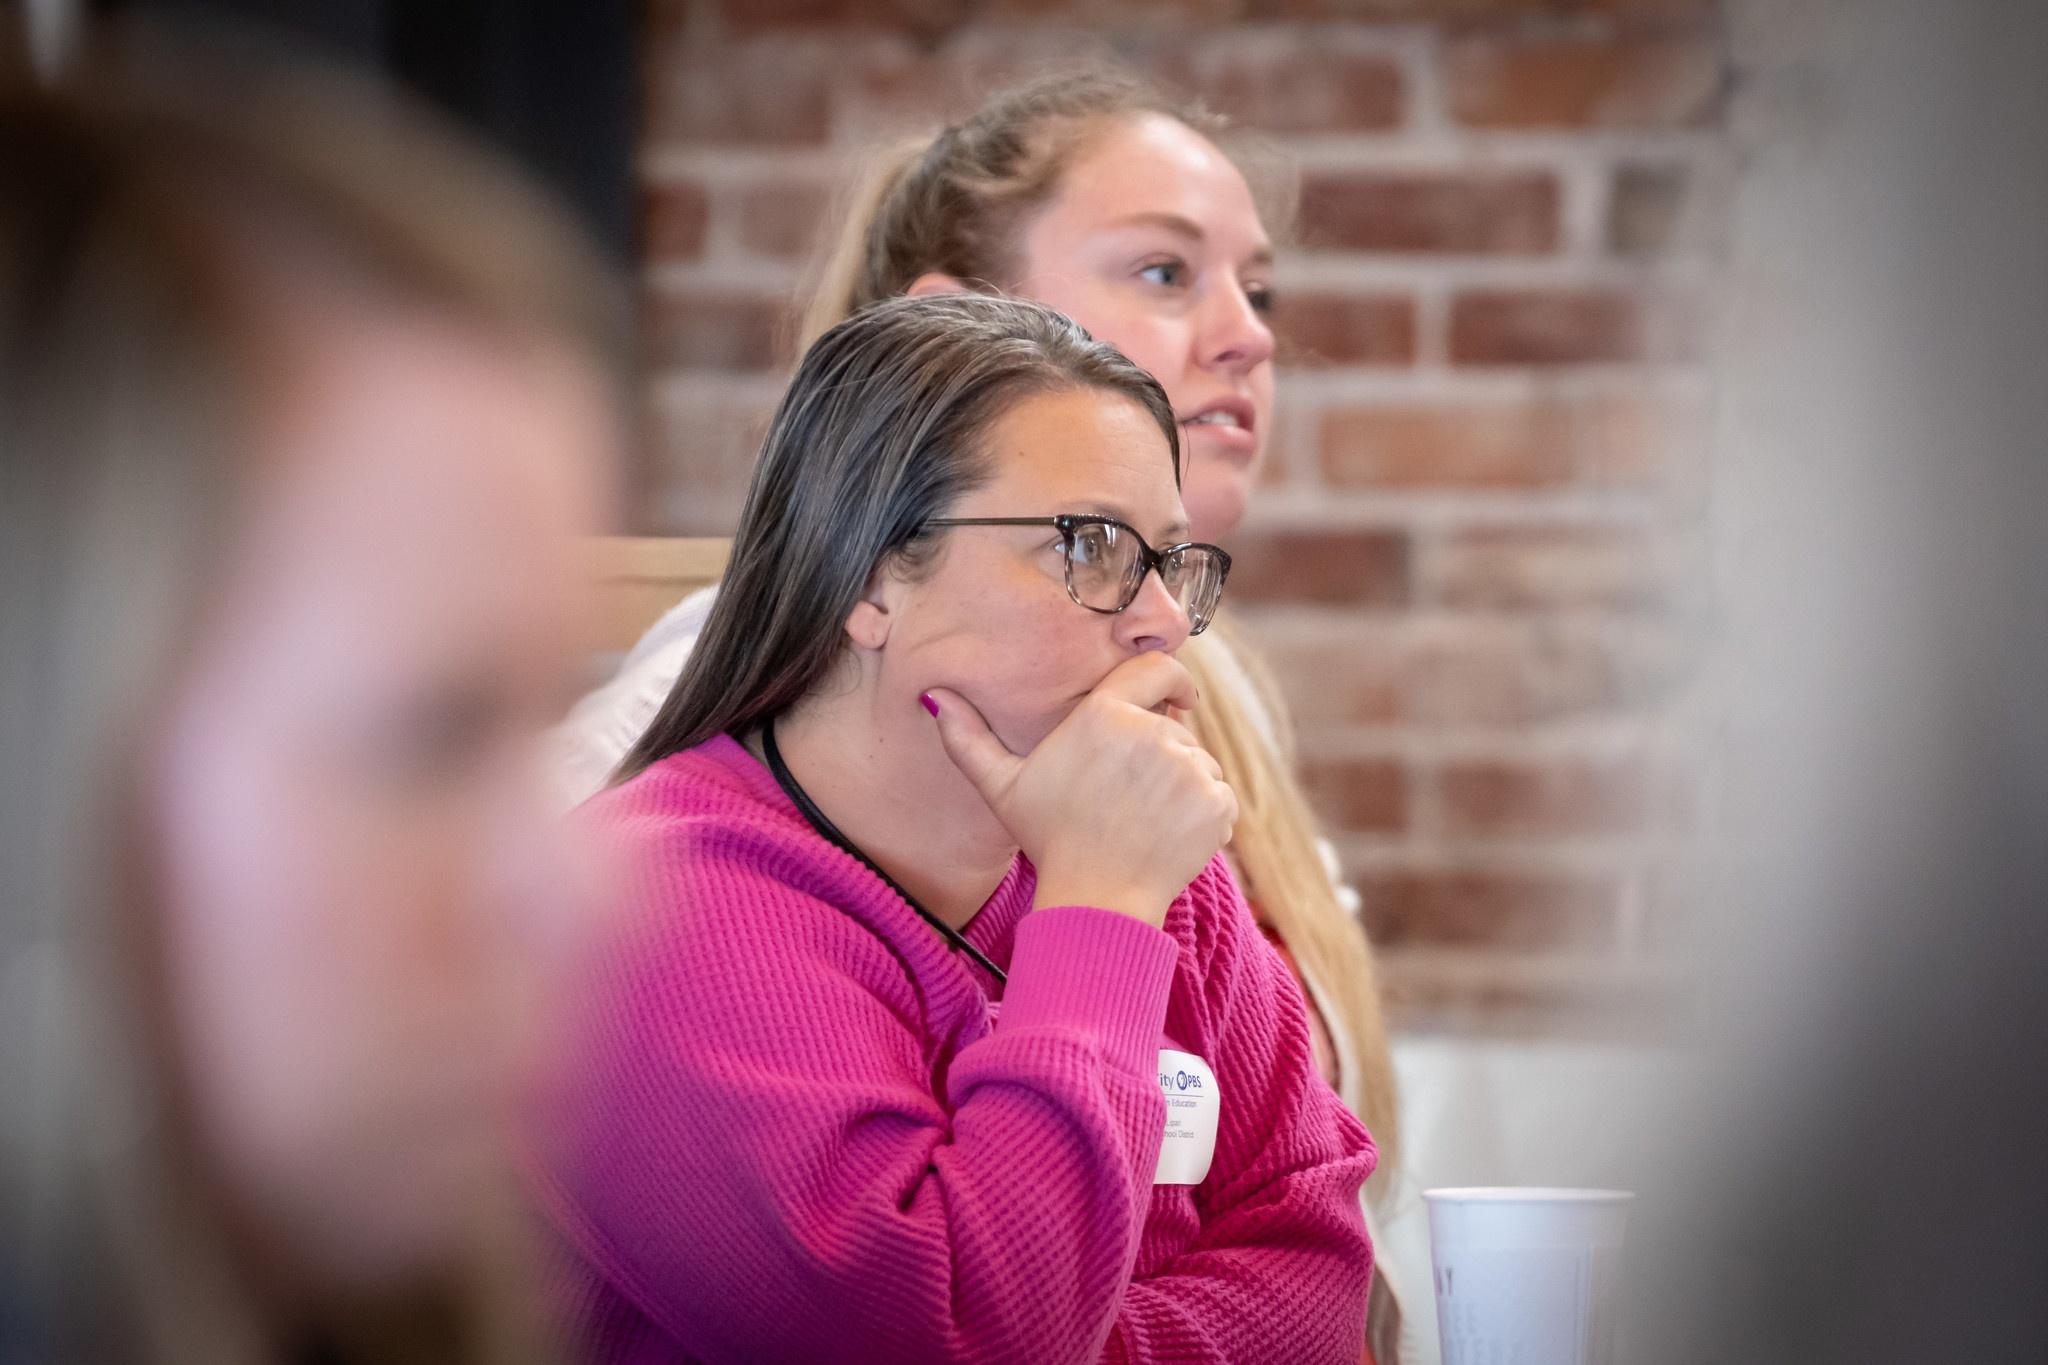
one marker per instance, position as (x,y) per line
(1154,619)
(1236,339)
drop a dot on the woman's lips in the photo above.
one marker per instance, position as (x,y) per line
(1233,442)
(1228,426)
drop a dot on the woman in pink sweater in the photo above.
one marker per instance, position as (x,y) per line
(933,1027)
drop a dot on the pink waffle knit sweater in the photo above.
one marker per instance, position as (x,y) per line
(805,1131)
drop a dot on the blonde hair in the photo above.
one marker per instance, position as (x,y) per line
(147,214)
(953,203)
(1278,855)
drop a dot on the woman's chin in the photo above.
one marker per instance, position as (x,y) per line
(1023,724)
(1020,737)
(1022,729)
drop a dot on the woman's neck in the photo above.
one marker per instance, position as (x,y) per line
(887,784)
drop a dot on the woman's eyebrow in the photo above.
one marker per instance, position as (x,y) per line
(1187,228)
(1171,222)
(1175,530)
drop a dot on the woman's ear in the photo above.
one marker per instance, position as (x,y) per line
(874,615)
(935,282)
(867,625)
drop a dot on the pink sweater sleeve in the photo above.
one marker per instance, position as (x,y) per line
(777,1172)
(1281,1267)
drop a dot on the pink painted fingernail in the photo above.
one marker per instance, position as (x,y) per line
(929,704)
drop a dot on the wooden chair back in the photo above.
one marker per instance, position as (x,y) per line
(640,577)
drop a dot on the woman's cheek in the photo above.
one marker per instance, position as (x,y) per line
(1045,687)
(1162,347)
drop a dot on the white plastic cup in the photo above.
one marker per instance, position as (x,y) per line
(1527,1276)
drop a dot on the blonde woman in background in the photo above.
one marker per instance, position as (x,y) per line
(1125,210)
(296,459)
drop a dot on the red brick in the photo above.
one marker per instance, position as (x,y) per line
(1492,213)
(1342,676)
(1635,442)
(1422,446)
(1476,671)
(1318,329)
(1546,797)
(1493,671)
(1502,910)
(1548,327)
(783,221)
(761,93)
(696,330)
(1112,14)
(1335,567)
(1498,81)
(672,217)
(1273,83)
(923,17)
(1587,995)
(895,91)
(1359,795)
(1597,440)
(1477,10)
(1297,84)
(702,454)
(1551,566)
(1643,209)
(1602,440)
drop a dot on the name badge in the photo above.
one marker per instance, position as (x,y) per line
(1192,1105)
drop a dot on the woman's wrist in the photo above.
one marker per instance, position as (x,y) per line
(1120,896)
(1087,968)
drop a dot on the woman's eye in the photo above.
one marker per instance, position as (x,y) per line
(1260,296)
(1170,274)
(1091,546)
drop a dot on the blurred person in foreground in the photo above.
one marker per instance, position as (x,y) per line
(1858,1176)
(302,406)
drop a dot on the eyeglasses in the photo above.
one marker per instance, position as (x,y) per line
(1107,562)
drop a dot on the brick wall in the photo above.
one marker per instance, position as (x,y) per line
(1470,565)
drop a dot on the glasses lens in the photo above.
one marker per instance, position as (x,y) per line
(1195,578)
(1102,561)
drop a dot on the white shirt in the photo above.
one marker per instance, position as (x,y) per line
(604,725)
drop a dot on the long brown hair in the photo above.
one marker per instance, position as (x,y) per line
(955,202)
(881,430)
(151,212)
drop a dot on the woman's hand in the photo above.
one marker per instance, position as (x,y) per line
(1119,807)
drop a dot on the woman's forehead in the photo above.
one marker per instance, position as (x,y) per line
(1083,450)
(1152,165)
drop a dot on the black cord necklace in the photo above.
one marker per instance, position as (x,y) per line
(822,823)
